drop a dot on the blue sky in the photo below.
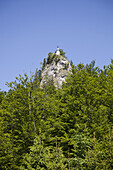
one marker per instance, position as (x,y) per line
(30,29)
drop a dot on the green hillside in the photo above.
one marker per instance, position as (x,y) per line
(58,129)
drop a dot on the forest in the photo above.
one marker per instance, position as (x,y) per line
(58,129)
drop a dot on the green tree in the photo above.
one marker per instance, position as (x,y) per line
(43,157)
(17,123)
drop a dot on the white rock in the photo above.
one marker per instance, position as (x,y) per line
(56,72)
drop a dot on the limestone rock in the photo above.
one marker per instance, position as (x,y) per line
(56,71)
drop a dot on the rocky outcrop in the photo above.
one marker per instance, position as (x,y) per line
(56,71)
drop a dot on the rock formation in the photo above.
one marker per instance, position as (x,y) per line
(55,70)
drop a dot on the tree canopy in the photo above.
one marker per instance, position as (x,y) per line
(48,128)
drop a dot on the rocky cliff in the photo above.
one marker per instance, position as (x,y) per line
(55,70)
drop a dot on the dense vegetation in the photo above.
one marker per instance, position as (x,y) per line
(69,128)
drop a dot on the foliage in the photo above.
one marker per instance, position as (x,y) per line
(62,52)
(69,128)
(51,57)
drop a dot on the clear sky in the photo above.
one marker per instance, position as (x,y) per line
(30,29)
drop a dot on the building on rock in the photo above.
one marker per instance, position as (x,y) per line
(55,69)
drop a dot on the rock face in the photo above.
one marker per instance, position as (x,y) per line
(56,71)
